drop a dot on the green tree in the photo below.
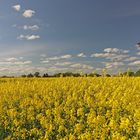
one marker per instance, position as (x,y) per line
(137,73)
(36,74)
(45,75)
(23,75)
(30,75)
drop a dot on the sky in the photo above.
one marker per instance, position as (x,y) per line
(53,36)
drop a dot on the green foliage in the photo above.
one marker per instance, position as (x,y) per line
(137,73)
(36,74)
(30,75)
(45,75)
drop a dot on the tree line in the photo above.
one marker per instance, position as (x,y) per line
(71,74)
(94,74)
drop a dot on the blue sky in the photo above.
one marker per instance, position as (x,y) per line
(68,35)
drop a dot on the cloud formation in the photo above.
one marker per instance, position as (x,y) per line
(81,55)
(28,13)
(115,50)
(81,66)
(113,54)
(132,58)
(33,27)
(67,56)
(63,63)
(28,37)
(135,63)
(17,7)
(110,65)
(14,61)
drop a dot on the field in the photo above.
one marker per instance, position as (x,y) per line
(103,108)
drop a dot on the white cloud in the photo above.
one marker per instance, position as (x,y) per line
(116,60)
(17,7)
(81,66)
(33,27)
(22,62)
(62,63)
(135,63)
(28,13)
(66,56)
(115,50)
(21,37)
(14,61)
(54,58)
(28,37)
(111,50)
(11,59)
(32,37)
(113,54)
(118,63)
(55,69)
(110,65)
(125,51)
(16,69)
(131,59)
(118,57)
(44,61)
(103,55)
(81,55)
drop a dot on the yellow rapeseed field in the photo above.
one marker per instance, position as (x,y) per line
(99,108)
